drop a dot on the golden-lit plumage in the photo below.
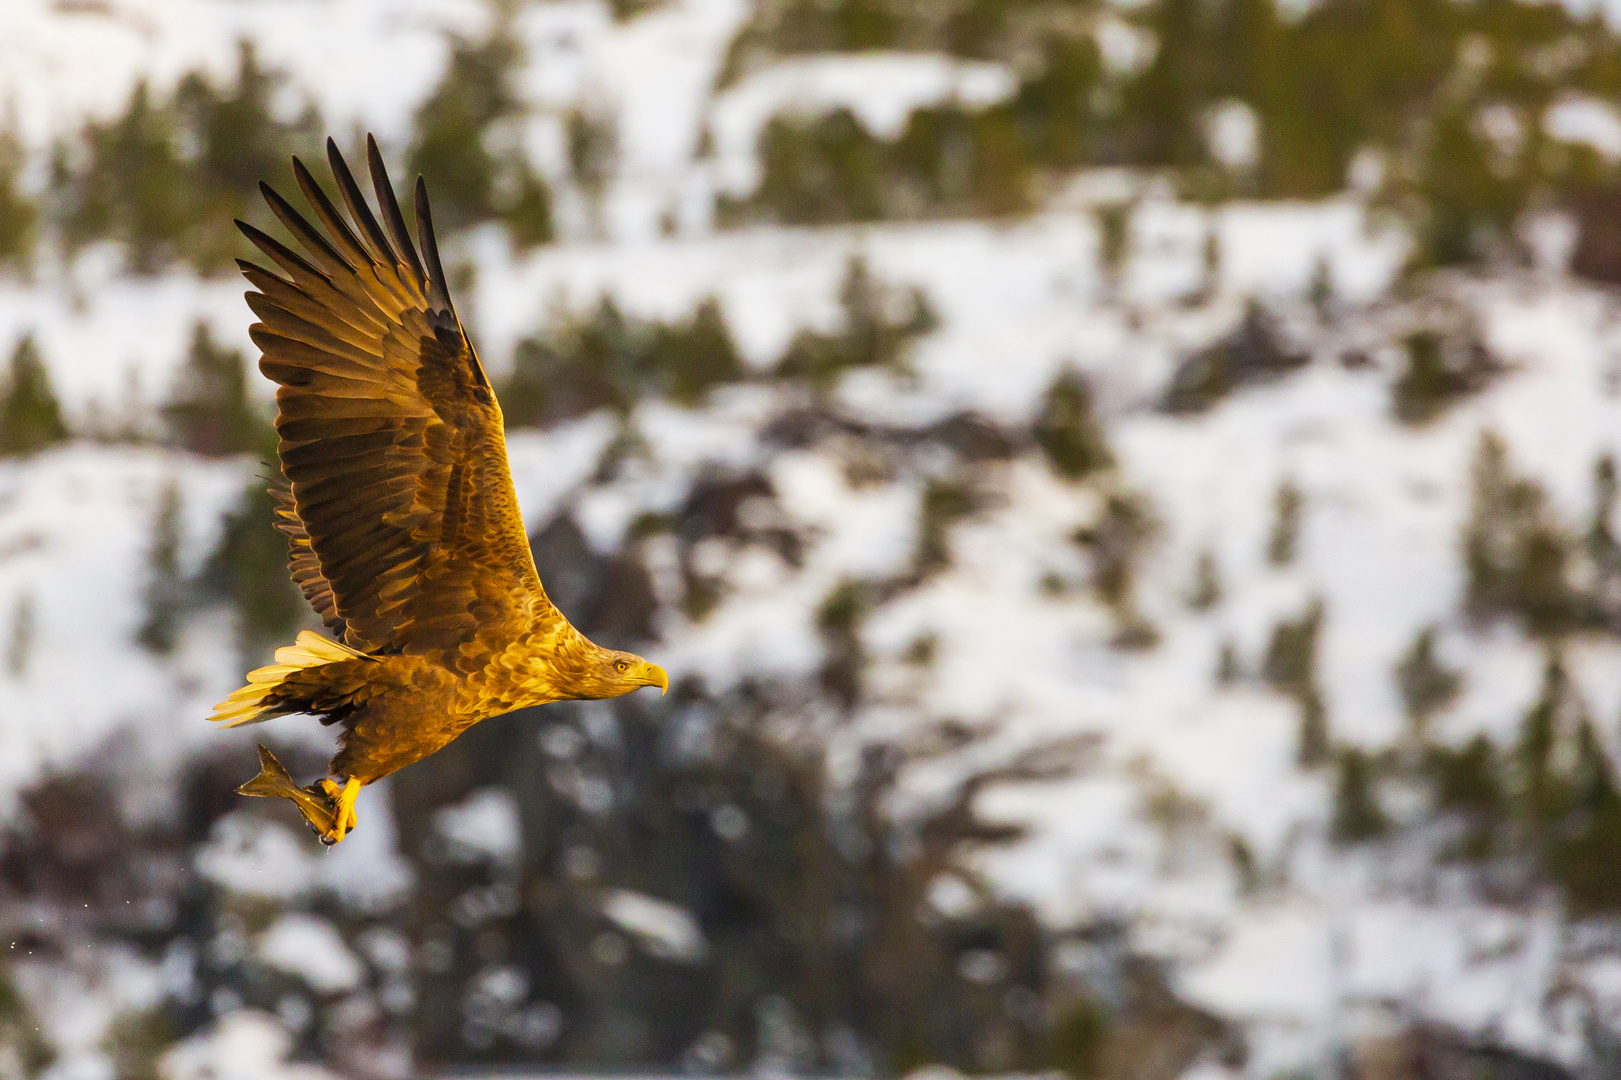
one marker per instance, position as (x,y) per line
(402,525)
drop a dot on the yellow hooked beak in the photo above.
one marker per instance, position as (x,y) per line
(653,675)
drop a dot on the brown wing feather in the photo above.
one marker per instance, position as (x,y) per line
(302,564)
(403,530)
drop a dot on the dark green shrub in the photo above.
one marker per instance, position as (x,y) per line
(448,145)
(165,594)
(945,502)
(1516,554)
(208,411)
(30,418)
(1077,1037)
(1357,815)
(1068,431)
(610,360)
(1439,373)
(19,215)
(1287,507)
(1255,353)
(879,326)
(1426,684)
(1206,590)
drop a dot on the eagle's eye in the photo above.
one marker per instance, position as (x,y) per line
(621,666)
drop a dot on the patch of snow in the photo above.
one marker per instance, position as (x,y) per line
(666,930)
(1234,133)
(484,825)
(242,1045)
(311,948)
(1586,121)
(253,856)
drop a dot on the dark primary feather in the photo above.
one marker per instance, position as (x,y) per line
(403,529)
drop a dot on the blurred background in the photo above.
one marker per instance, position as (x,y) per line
(1125,493)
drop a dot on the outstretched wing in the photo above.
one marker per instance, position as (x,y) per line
(403,528)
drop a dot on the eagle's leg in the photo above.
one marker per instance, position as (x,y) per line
(343,799)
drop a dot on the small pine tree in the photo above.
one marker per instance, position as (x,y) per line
(822,171)
(592,139)
(30,418)
(1320,291)
(1210,265)
(1316,740)
(944,503)
(880,325)
(1114,242)
(248,570)
(838,621)
(19,217)
(208,411)
(1228,671)
(1426,684)
(1357,815)
(1439,373)
(1541,785)
(1468,783)
(1287,507)
(449,146)
(165,594)
(1601,542)
(133,187)
(1068,431)
(20,647)
(1206,591)
(1516,554)
(692,358)
(1290,666)
(525,206)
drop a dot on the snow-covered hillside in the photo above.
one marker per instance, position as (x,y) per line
(1318,944)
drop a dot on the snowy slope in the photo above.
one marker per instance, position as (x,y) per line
(1018,302)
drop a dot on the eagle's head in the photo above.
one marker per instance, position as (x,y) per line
(609,673)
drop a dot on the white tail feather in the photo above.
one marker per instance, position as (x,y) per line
(249,704)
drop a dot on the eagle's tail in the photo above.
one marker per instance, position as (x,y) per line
(265,695)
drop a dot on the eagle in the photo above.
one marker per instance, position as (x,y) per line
(402,525)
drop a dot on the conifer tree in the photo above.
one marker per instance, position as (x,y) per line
(1067,428)
(30,418)
(208,411)
(236,142)
(1316,741)
(1515,552)
(693,357)
(471,180)
(1426,684)
(1290,667)
(1227,668)
(133,187)
(592,136)
(1601,541)
(19,217)
(1206,591)
(1287,506)
(248,570)
(1357,815)
(20,646)
(1542,786)
(164,597)
(1113,222)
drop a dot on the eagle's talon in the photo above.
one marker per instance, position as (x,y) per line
(343,814)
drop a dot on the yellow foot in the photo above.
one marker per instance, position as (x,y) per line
(343,801)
